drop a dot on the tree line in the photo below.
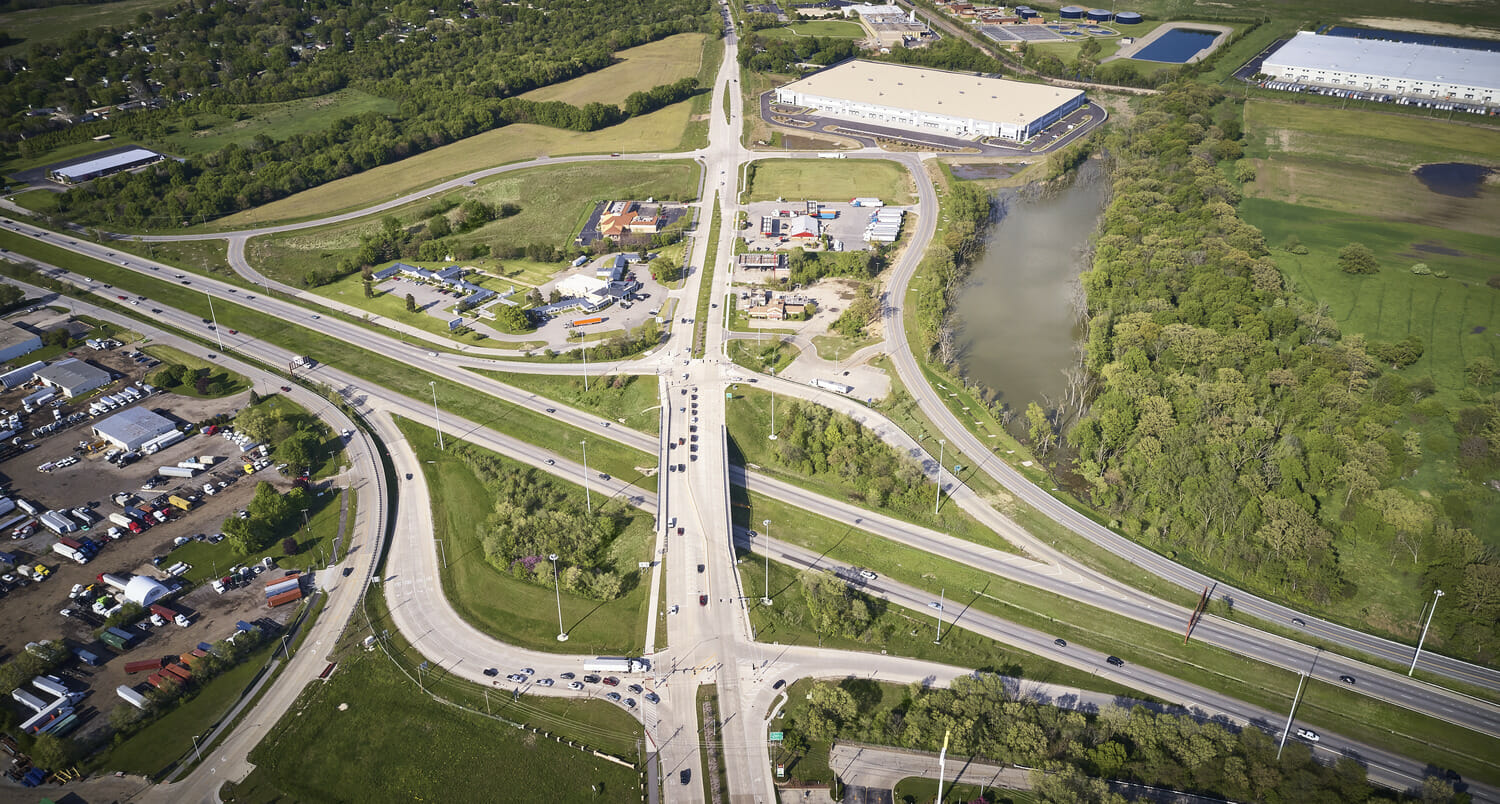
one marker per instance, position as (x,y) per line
(982,718)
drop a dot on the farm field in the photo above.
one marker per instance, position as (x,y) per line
(661,130)
(554,202)
(829,180)
(637,69)
(510,609)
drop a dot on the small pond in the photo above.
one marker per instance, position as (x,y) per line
(1457,179)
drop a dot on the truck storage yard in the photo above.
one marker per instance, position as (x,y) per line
(67,501)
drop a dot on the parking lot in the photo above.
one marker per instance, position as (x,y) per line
(76,477)
(848,227)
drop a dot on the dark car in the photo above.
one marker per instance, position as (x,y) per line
(700,567)
(551,410)
(1061,643)
(635,688)
(591,679)
(679,531)
(1347,679)
(348,571)
(703,600)
(686,775)
(780,682)
(1116,661)
(286,389)
(491,671)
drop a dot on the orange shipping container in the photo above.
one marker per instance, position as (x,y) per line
(180,672)
(284,597)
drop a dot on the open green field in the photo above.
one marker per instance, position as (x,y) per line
(637,69)
(369,715)
(276,120)
(771,355)
(661,130)
(838,29)
(155,747)
(1364,137)
(920,790)
(555,201)
(57,21)
(629,399)
(512,610)
(829,180)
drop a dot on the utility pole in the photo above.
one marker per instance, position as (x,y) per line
(938,498)
(436,417)
(1418,654)
(585,363)
(943,765)
(562,636)
(773,404)
(588,500)
(1301,678)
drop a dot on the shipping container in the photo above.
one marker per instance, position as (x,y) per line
(87,656)
(28,700)
(176,471)
(117,639)
(179,672)
(51,684)
(184,504)
(584,322)
(54,711)
(14,521)
(866,202)
(157,608)
(61,726)
(282,586)
(155,680)
(143,666)
(131,696)
(284,597)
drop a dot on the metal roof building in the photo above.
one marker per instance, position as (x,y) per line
(132,427)
(105,165)
(934,101)
(74,377)
(15,342)
(1397,68)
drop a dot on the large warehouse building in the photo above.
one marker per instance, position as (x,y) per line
(1394,68)
(129,159)
(73,377)
(935,101)
(15,342)
(133,427)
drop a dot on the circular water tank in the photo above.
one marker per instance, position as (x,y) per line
(1071,12)
(1100,14)
(1128,18)
(1025,12)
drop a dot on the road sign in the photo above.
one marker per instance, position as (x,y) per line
(780,771)
(775,736)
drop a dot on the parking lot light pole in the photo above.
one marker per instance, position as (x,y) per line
(436,417)
(562,636)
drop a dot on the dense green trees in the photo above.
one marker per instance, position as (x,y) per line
(535,516)
(769,54)
(1235,425)
(1170,751)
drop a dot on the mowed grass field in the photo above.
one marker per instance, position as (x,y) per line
(839,29)
(554,201)
(369,715)
(57,21)
(275,120)
(830,180)
(635,70)
(661,130)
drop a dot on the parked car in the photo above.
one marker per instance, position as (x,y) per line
(613,696)
(611,681)
(491,671)
(516,678)
(591,679)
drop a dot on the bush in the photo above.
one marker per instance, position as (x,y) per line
(1357,258)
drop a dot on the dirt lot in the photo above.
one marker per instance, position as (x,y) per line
(31,612)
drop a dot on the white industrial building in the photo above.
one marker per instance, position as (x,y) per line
(1395,68)
(74,377)
(934,101)
(132,428)
(15,342)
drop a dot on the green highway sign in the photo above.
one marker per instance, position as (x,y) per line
(775,736)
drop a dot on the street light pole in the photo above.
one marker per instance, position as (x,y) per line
(1418,654)
(196,752)
(588,500)
(766,548)
(773,404)
(942,598)
(938,498)
(1301,678)
(436,417)
(215,319)
(562,636)
(585,365)
(444,550)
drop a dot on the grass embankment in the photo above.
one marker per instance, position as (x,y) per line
(637,69)
(1345,712)
(458,398)
(833,180)
(695,131)
(554,202)
(512,610)
(767,356)
(706,285)
(221,381)
(710,725)
(749,420)
(914,789)
(157,746)
(370,715)
(632,402)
